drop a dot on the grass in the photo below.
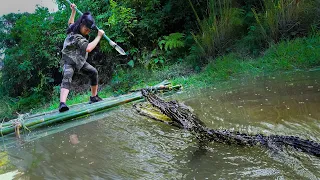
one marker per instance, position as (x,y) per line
(217,31)
(301,53)
(283,18)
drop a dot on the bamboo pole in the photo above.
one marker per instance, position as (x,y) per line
(75,113)
(164,85)
(71,114)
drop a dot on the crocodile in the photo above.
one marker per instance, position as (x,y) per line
(182,117)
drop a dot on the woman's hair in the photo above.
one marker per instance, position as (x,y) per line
(86,19)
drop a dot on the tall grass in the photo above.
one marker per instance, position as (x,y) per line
(300,53)
(219,27)
(284,19)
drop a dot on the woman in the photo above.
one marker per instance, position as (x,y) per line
(74,55)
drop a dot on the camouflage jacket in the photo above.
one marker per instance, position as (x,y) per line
(74,50)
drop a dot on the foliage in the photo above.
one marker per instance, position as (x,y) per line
(167,48)
(219,29)
(119,23)
(164,39)
(299,53)
(174,40)
(30,54)
(282,19)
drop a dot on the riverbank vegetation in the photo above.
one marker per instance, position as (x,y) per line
(193,43)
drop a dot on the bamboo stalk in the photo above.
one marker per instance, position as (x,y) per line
(85,110)
(72,113)
(161,86)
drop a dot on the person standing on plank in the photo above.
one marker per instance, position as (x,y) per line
(74,55)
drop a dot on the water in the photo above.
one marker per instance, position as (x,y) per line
(120,144)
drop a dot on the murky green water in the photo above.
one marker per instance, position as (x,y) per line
(120,144)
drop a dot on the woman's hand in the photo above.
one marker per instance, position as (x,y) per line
(100,32)
(73,14)
(94,43)
(73,7)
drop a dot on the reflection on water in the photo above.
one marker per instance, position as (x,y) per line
(120,144)
(281,104)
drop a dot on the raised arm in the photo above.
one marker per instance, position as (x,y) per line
(94,43)
(73,14)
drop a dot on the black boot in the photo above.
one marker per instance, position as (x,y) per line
(63,107)
(95,99)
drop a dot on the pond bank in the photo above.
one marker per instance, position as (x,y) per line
(299,54)
(120,144)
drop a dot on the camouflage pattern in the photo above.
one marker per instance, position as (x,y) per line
(74,58)
(68,71)
(91,72)
(74,50)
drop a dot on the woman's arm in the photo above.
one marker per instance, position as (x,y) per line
(94,43)
(73,14)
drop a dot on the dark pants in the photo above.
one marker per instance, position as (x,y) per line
(68,71)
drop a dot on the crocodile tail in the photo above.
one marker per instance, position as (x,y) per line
(297,143)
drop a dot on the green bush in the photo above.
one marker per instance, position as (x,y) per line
(298,53)
(28,64)
(164,39)
(220,29)
(286,19)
